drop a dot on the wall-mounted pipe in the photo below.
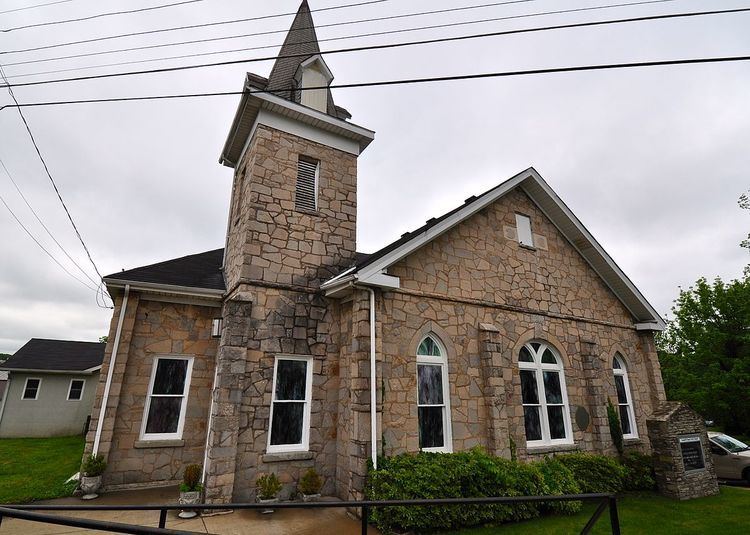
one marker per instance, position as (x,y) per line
(110,371)
(373,385)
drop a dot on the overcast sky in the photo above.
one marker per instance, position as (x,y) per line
(651,160)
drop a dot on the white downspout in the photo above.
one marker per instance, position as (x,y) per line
(110,371)
(373,385)
(210,421)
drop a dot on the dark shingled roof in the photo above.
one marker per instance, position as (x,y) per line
(56,355)
(202,270)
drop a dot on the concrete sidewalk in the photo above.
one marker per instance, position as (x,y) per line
(281,522)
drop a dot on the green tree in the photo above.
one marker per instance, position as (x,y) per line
(705,351)
(4,357)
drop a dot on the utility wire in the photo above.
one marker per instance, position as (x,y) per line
(90,17)
(193,26)
(49,175)
(55,260)
(407,81)
(389,45)
(247,49)
(34,6)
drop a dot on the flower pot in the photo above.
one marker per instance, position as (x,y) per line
(189,498)
(310,497)
(267,501)
(89,486)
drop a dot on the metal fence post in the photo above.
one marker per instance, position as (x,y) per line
(613,516)
(365,514)
(162,518)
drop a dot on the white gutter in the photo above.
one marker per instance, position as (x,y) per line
(373,385)
(111,371)
(166,288)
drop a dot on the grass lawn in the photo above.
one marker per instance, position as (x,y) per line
(36,468)
(728,513)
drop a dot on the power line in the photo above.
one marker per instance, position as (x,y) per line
(192,26)
(49,175)
(90,17)
(408,81)
(390,45)
(55,260)
(246,49)
(34,6)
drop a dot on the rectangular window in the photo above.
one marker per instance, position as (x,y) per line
(31,388)
(289,428)
(164,414)
(523,228)
(431,406)
(306,195)
(75,390)
(216,328)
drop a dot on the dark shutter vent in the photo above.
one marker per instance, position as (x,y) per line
(307,184)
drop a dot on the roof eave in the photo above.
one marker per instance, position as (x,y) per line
(192,291)
(87,371)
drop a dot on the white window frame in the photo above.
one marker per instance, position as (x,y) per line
(26,384)
(538,368)
(216,326)
(70,387)
(183,407)
(524,222)
(441,361)
(623,372)
(305,444)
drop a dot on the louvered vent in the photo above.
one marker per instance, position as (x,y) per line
(306,197)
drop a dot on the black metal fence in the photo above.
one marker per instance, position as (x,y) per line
(30,512)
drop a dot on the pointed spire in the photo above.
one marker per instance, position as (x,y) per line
(301,40)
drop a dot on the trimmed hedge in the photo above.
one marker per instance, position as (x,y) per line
(595,473)
(464,475)
(639,471)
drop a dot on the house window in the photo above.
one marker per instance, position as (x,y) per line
(306,195)
(290,405)
(433,396)
(523,229)
(31,388)
(544,397)
(75,390)
(216,328)
(164,414)
(624,398)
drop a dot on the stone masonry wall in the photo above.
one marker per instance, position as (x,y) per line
(160,329)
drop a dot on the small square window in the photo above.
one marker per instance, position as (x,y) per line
(75,391)
(31,388)
(216,328)
(523,228)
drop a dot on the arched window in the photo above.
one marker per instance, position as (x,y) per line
(433,396)
(544,397)
(624,399)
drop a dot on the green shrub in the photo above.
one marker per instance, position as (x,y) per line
(615,428)
(268,486)
(639,471)
(467,474)
(594,473)
(310,482)
(191,479)
(93,466)
(558,479)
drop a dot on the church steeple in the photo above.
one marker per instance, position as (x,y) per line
(305,67)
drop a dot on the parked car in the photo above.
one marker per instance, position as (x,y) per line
(731,456)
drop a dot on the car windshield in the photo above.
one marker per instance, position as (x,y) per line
(729,443)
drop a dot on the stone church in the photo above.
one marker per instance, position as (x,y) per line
(502,323)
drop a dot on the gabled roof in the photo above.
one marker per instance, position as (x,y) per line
(199,271)
(373,266)
(40,354)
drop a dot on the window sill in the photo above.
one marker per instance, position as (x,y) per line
(528,247)
(287,456)
(551,448)
(142,444)
(632,441)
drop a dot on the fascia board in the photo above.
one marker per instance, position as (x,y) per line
(166,288)
(87,371)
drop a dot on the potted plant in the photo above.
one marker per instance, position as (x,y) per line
(309,485)
(190,490)
(91,476)
(269,487)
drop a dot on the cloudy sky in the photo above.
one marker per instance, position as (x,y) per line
(651,160)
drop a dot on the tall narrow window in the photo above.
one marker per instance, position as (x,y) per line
(75,390)
(290,406)
(306,195)
(31,388)
(433,397)
(164,414)
(543,395)
(523,228)
(624,399)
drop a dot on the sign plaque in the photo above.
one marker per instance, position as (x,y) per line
(691,450)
